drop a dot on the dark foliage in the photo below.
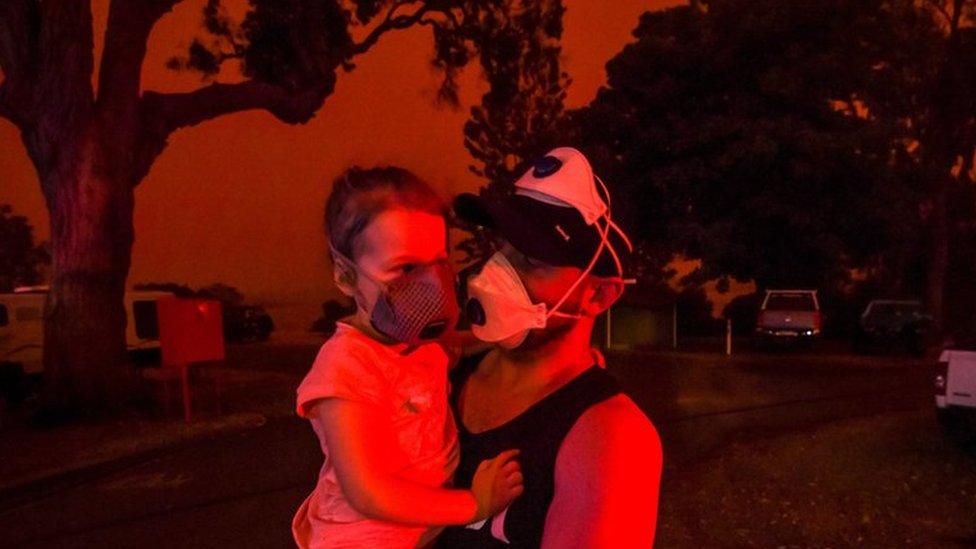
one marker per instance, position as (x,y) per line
(21,261)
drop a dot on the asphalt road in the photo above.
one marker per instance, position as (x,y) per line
(241,490)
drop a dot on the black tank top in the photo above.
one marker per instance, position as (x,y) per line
(538,433)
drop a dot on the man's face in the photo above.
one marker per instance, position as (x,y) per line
(547,284)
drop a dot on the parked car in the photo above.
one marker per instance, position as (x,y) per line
(789,316)
(22,333)
(246,323)
(955,392)
(890,322)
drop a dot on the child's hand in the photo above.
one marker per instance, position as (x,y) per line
(496,484)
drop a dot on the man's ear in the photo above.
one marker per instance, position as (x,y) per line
(344,277)
(604,294)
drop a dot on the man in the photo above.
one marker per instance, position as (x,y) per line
(590,458)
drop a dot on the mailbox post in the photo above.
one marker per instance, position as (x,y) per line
(190,332)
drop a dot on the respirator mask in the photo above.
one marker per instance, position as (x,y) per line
(499,307)
(414,308)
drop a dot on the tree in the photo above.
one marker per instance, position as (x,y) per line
(20,259)
(518,116)
(776,141)
(227,295)
(333,310)
(91,149)
(936,102)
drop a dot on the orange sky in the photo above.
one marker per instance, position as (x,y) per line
(239,199)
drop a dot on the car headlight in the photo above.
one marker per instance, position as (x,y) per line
(940,382)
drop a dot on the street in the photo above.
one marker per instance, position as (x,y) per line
(241,489)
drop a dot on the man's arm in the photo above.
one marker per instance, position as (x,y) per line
(608,475)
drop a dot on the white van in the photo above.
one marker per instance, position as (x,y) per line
(955,391)
(22,326)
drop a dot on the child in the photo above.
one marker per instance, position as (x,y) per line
(376,394)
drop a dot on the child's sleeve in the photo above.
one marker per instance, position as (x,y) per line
(341,373)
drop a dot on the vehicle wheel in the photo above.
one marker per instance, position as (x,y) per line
(759,344)
(958,425)
(914,342)
(13,388)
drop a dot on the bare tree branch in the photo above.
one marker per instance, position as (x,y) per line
(15,25)
(957,8)
(392,21)
(165,113)
(6,105)
(58,103)
(966,169)
(939,6)
(129,24)
(65,41)
(18,48)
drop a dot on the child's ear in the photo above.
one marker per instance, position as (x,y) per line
(344,277)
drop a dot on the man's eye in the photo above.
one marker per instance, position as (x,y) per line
(534,263)
(408,268)
(531,264)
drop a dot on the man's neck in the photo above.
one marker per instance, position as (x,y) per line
(560,359)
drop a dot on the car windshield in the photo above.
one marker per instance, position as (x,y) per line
(790,302)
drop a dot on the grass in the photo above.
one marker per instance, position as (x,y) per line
(887,481)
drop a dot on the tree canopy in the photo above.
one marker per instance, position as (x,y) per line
(778,141)
(21,260)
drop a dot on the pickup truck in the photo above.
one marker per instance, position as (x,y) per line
(955,393)
(789,316)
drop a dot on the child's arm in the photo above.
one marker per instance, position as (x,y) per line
(365,455)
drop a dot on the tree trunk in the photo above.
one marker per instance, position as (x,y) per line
(90,153)
(948,109)
(91,242)
(938,256)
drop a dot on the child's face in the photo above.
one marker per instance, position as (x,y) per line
(394,243)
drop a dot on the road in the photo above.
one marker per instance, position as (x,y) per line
(240,490)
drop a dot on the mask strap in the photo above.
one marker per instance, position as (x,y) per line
(620,232)
(607,218)
(351,265)
(604,233)
(347,263)
(596,257)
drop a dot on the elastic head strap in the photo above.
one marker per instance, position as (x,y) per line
(349,264)
(604,233)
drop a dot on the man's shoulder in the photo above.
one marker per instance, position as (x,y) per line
(613,423)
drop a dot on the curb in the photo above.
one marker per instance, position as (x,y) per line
(17,495)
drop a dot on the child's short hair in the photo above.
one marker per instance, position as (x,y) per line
(359,195)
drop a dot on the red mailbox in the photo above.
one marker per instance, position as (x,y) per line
(190,330)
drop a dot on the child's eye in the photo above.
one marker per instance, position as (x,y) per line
(408,268)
